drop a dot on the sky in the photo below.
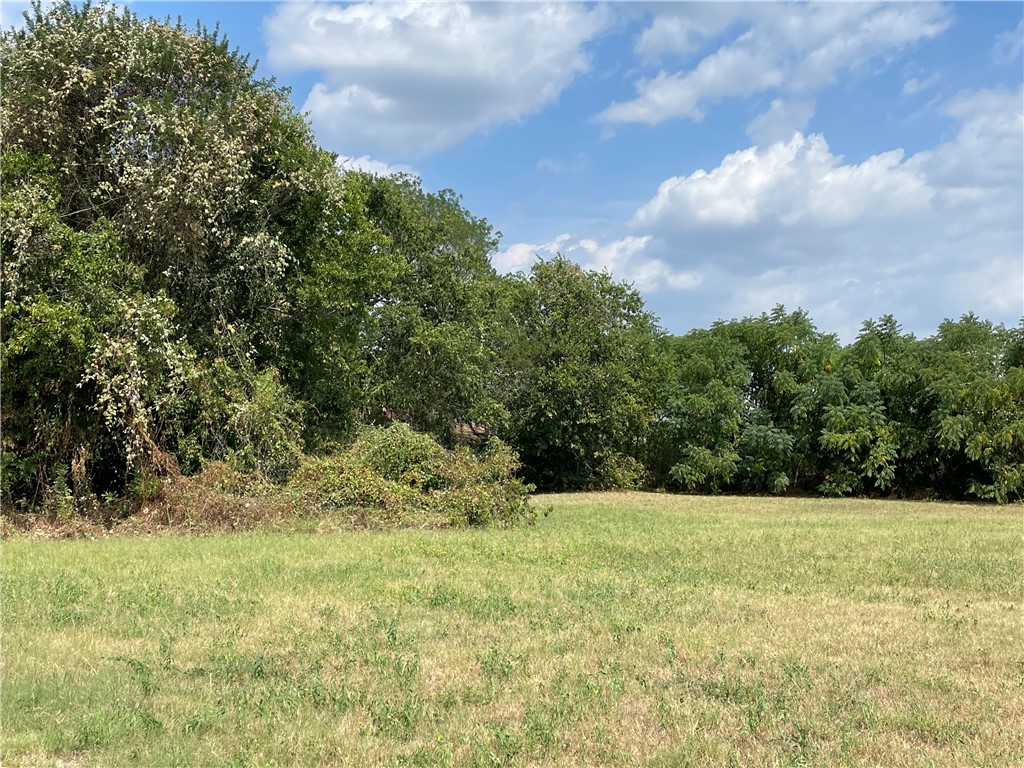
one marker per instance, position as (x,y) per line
(850,159)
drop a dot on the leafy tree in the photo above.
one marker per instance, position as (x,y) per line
(214,185)
(428,356)
(169,220)
(978,421)
(704,410)
(862,444)
(886,369)
(768,403)
(792,382)
(91,363)
(350,265)
(581,366)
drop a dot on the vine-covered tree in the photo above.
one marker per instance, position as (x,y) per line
(177,246)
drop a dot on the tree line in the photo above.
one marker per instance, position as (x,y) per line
(188,278)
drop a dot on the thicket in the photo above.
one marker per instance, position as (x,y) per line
(770,404)
(395,476)
(192,289)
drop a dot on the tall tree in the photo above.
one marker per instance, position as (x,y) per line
(793,381)
(978,420)
(428,357)
(146,156)
(704,410)
(580,373)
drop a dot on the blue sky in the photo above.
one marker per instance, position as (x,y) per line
(852,159)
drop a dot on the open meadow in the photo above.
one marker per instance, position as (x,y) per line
(621,629)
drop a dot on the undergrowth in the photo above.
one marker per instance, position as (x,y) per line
(388,477)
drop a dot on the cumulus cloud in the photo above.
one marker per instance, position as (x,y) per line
(794,49)
(928,236)
(421,76)
(625,259)
(519,256)
(794,183)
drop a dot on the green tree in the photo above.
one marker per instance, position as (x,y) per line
(91,363)
(887,444)
(580,371)
(427,339)
(153,164)
(978,421)
(704,411)
(793,381)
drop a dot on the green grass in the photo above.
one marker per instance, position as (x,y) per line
(623,629)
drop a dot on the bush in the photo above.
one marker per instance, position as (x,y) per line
(237,414)
(616,472)
(394,476)
(401,455)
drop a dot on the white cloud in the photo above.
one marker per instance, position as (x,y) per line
(796,49)
(519,256)
(625,259)
(846,42)
(552,166)
(369,165)
(986,153)
(788,184)
(682,29)
(421,76)
(780,121)
(1008,44)
(727,72)
(574,164)
(929,236)
(997,284)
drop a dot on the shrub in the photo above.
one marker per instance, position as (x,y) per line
(616,471)
(399,454)
(234,413)
(395,476)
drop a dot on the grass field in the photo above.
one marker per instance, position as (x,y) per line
(622,629)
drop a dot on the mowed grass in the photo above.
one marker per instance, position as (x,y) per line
(622,629)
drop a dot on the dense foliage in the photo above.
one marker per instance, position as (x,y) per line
(580,369)
(768,404)
(189,282)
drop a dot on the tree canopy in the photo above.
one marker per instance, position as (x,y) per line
(770,404)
